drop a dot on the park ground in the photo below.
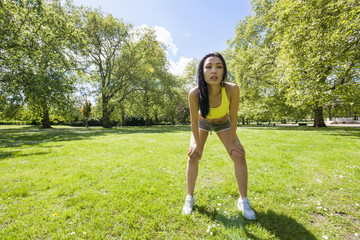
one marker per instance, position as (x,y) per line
(129,183)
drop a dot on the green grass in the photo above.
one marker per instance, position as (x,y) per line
(129,183)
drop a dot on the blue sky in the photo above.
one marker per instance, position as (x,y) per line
(190,28)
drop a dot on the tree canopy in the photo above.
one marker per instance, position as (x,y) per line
(50,48)
(37,47)
(301,54)
(289,58)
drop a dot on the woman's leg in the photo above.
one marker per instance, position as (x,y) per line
(237,154)
(193,163)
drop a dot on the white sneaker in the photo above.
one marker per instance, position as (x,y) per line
(189,205)
(244,207)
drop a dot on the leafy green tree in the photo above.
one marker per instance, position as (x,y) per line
(186,81)
(85,110)
(319,51)
(303,52)
(188,78)
(155,96)
(105,37)
(125,61)
(252,63)
(37,59)
(143,62)
(15,43)
(173,103)
(152,76)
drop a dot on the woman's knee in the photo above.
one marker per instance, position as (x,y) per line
(238,154)
(194,158)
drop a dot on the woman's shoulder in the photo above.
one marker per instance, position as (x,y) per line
(193,99)
(194,92)
(231,87)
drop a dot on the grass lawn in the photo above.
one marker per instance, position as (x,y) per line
(129,183)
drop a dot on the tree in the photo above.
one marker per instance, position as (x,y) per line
(189,78)
(14,21)
(319,51)
(173,103)
(186,81)
(124,60)
(150,73)
(105,36)
(37,42)
(305,52)
(156,96)
(86,111)
(252,62)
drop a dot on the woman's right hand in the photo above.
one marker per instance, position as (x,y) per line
(195,150)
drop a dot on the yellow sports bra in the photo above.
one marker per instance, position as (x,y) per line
(223,109)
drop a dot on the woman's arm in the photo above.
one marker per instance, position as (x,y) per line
(233,109)
(194,111)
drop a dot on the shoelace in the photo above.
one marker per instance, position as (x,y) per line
(188,202)
(246,205)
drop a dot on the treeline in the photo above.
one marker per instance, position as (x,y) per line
(55,56)
(293,59)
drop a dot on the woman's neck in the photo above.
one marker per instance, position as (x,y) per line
(213,90)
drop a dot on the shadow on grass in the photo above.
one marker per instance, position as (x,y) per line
(16,137)
(281,226)
(333,130)
(205,211)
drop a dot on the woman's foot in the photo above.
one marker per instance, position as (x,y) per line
(244,207)
(189,205)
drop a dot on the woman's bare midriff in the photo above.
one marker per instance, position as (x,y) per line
(215,120)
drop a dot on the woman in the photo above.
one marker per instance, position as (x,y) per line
(214,105)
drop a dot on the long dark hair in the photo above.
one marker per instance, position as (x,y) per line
(202,85)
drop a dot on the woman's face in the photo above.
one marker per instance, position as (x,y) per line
(213,70)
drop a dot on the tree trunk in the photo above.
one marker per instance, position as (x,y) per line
(147,122)
(45,121)
(318,117)
(87,122)
(106,114)
(243,120)
(106,121)
(156,118)
(123,117)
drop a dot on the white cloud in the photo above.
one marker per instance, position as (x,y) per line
(178,68)
(164,36)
